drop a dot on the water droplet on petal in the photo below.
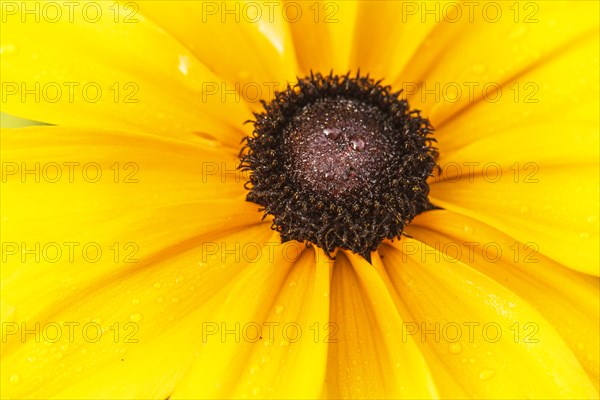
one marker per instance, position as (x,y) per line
(7,48)
(486,374)
(454,348)
(184,63)
(254,369)
(137,317)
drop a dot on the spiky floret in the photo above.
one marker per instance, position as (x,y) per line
(339,162)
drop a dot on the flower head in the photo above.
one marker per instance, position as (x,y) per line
(340,162)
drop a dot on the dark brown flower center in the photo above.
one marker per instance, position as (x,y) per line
(339,162)
(337,146)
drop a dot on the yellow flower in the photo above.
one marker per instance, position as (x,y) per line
(133,267)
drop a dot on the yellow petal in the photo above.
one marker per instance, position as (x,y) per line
(388,35)
(546,97)
(553,206)
(91,202)
(478,47)
(531,169)
(254,33)
(567,299)
(137,329)
(127,74)
(247,302)
(323,34)
(446,385)
(369,360)
(469,322)
(291,358)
